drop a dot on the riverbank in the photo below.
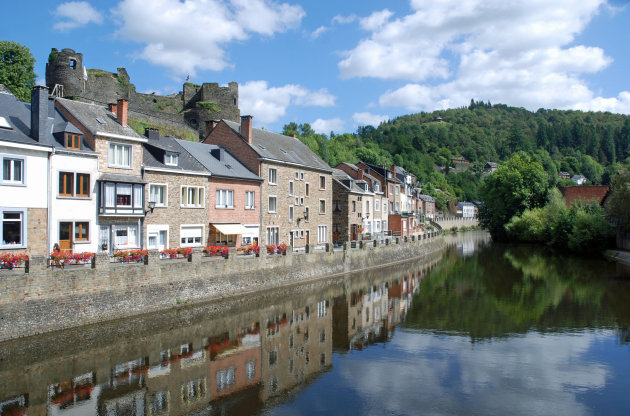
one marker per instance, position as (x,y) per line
(46,300)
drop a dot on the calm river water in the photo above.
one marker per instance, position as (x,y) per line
(481,329)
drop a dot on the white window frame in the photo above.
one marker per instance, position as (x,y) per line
(384,207)
(224,199)
(200,197)
(250,200)
(377,205)
(127,228)
(183,234)
(112,154)
(11,181)
(291,187)
(291,213)
(171,159)
(319,207)
(272,176)
(275,203)
(24,228)
(164,186)
(322,234)
(272,235)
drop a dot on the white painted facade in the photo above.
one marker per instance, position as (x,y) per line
(74,209)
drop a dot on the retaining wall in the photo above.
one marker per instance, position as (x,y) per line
(45,299)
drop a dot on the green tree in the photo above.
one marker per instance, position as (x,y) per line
(515,186)
(16,69)
(618,201)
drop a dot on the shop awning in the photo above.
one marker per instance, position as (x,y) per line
(230,229)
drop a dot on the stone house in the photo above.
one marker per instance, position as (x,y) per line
(177,194)
(390,184)
(296,192)
(233,214)
(427,204)
(120,187)
(347,208)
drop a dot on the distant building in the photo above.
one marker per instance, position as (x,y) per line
(585,194)
(564,175)
(578,179)
(490,167)
(465,210)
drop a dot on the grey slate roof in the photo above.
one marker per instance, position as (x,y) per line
(282,148)
(88,114)
(426,198)
(347,181)
(18,114)
(382,171)
(154,150)
(229,167)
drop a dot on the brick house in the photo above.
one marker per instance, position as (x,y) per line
(427,204)
(234,191)
(120,186)
(296,192)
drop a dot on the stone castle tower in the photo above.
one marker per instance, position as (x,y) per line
(193,107)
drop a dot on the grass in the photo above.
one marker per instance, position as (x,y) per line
(209,105)
(165,130)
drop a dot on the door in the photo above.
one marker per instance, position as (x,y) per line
(353,232)
(65,236)
(308,240)
(291,236)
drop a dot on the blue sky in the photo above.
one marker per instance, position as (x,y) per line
(341,64)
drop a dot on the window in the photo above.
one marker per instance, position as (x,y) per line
(73,63)
(249,200)
(120,155)
(73,141)
(322,206)
(190,236)
(272,204)
(157,194)
(297,175)
(273,234)
(225,378)
(225,198)
(171,159)
(397,189)
(377,187)
(307,190)
(291,186)
(67,181)
(377,204)
(122,198)
(224,238)
(13,230)
(367,206)
(297,201)
(322,234)
(354,206)
(12,171)
(193,197)
(273,357)
(391,189)
(125,236)
(250,369)
(291,213)
(273,176)
(384,207)
(322,182)
(306,211)
(301,176)
(301,200)
(322,308)
(81,231)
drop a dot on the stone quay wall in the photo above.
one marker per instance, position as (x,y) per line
(41,299)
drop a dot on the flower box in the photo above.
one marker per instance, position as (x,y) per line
(9,261)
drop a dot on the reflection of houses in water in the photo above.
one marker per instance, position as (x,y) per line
(296,347)
(466,248)
(80,392)
(15,406)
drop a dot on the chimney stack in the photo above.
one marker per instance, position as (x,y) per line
(112,107)
(151,133)
(39,112)
(121,111)
(246,128)
(210,125)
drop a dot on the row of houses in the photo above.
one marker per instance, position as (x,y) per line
(77,175)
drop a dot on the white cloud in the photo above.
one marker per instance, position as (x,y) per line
(268,104)
(369,119)
(520,53)
(318,32)
(326,126)
(75,14)
(191,35)
(344,19)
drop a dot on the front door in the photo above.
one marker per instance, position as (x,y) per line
(353,232)
(65,236)
(291,236)
(308,240)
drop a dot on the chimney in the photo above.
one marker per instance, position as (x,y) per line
(151,133)
(246,128)
(39,112)
(112,107)
(217,153)
(393,169)
(360,174)
(121,111)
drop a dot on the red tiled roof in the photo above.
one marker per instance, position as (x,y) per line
(594,193)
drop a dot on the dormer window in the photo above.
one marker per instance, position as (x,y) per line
(73,141)
(171,159)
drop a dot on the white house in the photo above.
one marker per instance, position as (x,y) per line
(466,209)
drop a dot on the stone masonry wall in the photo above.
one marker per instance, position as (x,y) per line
(46,300)
(102,148)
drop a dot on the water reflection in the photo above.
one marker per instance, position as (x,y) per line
(231,357)
(482,329)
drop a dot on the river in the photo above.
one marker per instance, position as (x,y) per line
(481,329)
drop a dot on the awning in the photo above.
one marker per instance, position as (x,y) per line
(230,229)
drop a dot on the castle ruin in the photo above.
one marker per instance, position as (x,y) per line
(192,108)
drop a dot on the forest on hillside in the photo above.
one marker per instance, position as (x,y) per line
(592,144)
